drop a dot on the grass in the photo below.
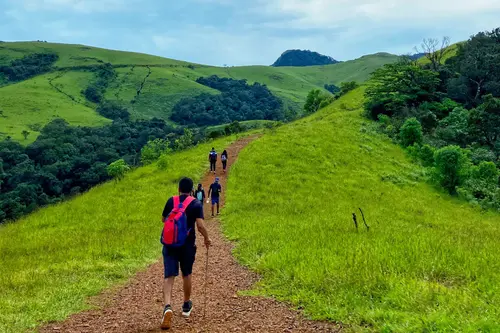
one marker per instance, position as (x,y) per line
(430,263)
(169,81)
(31,104)
(52,260)
(253,124)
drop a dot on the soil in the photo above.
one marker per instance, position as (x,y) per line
(137,306)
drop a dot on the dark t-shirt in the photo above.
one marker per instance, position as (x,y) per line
(215,189)
(193,211)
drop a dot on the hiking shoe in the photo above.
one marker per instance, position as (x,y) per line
(167,318)
(187,308)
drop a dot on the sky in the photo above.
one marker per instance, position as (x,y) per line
(246,32)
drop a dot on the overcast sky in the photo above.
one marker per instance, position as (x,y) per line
(245,32)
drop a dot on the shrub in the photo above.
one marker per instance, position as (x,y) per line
(411,132)
(118,169)
(153,150)
(451,167)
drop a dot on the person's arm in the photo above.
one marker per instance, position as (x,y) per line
(210,190)
(200,224)
(204,196)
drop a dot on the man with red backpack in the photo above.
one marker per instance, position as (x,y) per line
(180,215)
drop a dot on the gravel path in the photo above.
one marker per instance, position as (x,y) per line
(137,306)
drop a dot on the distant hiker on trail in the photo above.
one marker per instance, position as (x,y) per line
(200,193)
(214,194)
(212,157)
(180,215)
(223,158)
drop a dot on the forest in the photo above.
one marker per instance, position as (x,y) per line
(238,101)
(67,160)
(446,111)
(28,66)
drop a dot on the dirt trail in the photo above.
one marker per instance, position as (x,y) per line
(137,306)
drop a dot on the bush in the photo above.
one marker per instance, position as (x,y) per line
(427,155)
(451,167)
(113,111)
(411,132)
(153,150)
(118,169)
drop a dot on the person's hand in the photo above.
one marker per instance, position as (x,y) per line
(208,201)
(208,242)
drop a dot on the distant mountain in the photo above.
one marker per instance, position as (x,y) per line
(416,56)
(303,58)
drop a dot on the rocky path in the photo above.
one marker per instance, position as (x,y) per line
(137,307)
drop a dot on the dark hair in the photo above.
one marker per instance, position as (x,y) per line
(213,148)
(224,152)
(200,186)
(185,185)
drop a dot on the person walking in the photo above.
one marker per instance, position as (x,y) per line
(180,215)
(223,158)
(212,157)
(200,193)
(214,193)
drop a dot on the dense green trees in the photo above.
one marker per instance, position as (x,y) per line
(28,66)
(66,160)
(457,104)
(237,101)
(103,75)
(303,58)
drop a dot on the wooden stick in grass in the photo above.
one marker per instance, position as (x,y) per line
(355,220)
(364,221)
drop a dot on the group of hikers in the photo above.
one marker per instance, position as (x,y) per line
(180,216)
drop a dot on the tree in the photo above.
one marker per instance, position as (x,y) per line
(316,100)
(399,86)
(153,150)
(345,87)
(411,132)
(477,64)
(185,140)
(25,133)
(451,166)
(118,169)
(487,119)
(435,51)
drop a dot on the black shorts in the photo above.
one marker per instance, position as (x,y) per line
(224,164)
(173,257)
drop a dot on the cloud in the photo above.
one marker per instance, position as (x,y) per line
(330,13)
(163,42)
(81,6)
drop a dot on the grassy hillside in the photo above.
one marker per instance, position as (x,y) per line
(55,258)
(149,86)
(429,262)
(29,105)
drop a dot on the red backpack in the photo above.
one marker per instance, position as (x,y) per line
(175,229)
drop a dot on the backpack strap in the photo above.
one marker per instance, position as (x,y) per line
(187,202)
(177,201)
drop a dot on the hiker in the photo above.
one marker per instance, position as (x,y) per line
(180,215)
(212,157)
(200,193)
(214,194)
(223,158)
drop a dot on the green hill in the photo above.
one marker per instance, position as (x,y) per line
(429,262)
(149,86)
(53,259)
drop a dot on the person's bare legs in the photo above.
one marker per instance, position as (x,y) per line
(213,209)
(187,287)
(217,208)
(168,286)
